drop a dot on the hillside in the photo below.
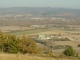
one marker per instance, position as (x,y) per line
(21,57)
(28,57)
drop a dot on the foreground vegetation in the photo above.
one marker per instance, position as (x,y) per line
(22,57)
(12,44)
(31,57)
(19,48)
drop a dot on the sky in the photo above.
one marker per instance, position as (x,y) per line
(41,3)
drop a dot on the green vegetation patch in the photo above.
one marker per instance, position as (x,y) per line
(29,32)
(12,44)
(59,47)
(70,29)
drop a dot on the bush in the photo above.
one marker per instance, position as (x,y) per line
(69,52)
(28,45)
(49,53)
(12,44)
(78,45)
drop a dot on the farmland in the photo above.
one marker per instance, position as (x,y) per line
(71,34)
(65,33)
(52,29)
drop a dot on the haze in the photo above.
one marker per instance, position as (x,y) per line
(41,3)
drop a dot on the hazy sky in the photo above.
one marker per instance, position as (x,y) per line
(40,3)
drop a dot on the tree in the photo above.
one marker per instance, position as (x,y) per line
(69,52)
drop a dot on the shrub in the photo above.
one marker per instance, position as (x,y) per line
(11,44)
(69,52)
(78,45)
(27,45)
(50,53)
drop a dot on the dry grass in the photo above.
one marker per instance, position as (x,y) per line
(27,57)
(70,43)
(13,28)
(74,44)
(22,57)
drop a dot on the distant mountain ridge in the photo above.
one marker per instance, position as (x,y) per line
(43,10)
(46,9)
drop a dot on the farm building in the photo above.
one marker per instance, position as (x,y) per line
(41,36)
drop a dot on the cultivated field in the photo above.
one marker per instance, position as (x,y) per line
(36,31)
(13,28)
(74,44)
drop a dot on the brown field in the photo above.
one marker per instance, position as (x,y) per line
(13,28)
(74,44)
(70,43)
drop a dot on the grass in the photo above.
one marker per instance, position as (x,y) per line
(28,57)
(34,31)
(71,30)
(29,32)
(44,30)
(22,57)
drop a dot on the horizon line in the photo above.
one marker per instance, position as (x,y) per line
(40,7)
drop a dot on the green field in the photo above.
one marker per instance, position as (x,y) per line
(30,32)
(45,30)
(70,29)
